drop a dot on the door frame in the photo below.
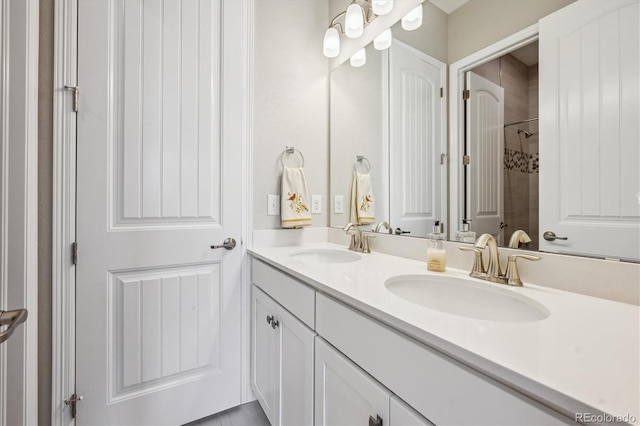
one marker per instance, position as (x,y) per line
(457,124)
(64,198)
(19,27)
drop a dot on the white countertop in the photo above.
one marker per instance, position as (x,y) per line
(585,357)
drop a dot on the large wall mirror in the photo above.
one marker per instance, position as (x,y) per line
(503,166)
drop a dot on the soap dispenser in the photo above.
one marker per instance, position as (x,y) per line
(436,253)
(466,235)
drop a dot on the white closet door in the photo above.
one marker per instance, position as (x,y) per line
(158,311)
(590,128)
(485,147)
(416,142)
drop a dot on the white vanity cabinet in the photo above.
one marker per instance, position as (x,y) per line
(282,350)
(442,389)
(347,395)
(363,371)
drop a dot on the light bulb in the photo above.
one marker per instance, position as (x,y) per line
(383,41)
(359,58)
(354,21)
(331,45)
(413,19)
(382,7)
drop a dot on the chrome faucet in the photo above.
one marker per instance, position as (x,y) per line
(518,237)
(359,238)
(382,225)
(493,272)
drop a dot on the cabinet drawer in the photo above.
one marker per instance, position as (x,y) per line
(440,388)
(297,298)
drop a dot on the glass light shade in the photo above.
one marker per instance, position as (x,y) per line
(383,41)
(331,44)
(354,21)
(413,19)
(382,7)
(359,58)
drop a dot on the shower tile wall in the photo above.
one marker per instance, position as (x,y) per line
(520,162)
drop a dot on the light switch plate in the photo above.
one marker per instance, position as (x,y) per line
(273,205)
(316,204)
(338,204)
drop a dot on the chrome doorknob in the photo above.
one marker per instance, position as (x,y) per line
(228,244)
(551,236)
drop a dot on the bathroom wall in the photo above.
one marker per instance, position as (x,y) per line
(431,37)
(480,23)
(290,99)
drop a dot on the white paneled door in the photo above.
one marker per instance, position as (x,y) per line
(158,310)
(417,140)
(589,129)
(485,147)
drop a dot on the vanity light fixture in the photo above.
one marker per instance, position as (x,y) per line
(382,7)
(359,58)
(331,45)
(351,23)
(383,41)
(354,21)
(413,19)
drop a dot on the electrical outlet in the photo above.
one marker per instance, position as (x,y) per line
(273,205)
(338,204)
(316,204)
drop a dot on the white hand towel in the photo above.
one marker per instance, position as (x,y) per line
(294,209)
(362,207)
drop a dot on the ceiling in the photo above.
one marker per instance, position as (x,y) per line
(448,6)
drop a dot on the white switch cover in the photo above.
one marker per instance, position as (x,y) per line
(273,205)
(338,204)
(316,204)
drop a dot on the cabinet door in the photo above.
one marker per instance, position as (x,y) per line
(295,361)
(400,414)
(264,354)
(345,394)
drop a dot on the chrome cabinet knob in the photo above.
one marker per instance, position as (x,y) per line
(551,236)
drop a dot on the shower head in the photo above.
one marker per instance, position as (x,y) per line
(526,134)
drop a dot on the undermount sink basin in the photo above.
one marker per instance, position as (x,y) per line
(466,298)
(325,256)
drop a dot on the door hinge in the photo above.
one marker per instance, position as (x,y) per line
(442,92)
(73,402)
(442,158)
(76,93)
(465,160)
(466,94)
(74,253)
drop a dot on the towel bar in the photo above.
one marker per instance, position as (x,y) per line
(291,150)
(361,159)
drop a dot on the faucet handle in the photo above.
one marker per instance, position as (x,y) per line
(477,270)
(512,274)
(366,236)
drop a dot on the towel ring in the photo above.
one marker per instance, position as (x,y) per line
(291,150)
(361,159)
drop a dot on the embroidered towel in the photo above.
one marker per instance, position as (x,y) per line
(294,210)
(362,208)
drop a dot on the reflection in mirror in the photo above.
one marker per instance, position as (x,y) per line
(392,112)
(501,178)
